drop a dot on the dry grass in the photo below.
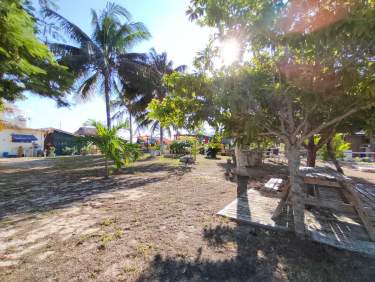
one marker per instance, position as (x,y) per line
(155,221)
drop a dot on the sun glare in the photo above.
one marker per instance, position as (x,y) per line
(229,52)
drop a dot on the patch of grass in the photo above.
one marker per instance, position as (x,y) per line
(118,233)
(129,269)
(143,249)
(108,221)
(105,240)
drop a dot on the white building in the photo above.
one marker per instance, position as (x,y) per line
(18,140)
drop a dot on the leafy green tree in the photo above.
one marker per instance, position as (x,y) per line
(26,64)
(317,62)
(97,60)
(112,146)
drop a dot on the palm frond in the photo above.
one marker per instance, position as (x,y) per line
(72,30)
(61,49)
(154,127)
(89,85)
(114,10)
(181,68)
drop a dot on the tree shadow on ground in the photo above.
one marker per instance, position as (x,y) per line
(47,185)
(261,255)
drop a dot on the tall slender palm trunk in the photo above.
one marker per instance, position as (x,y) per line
(130,128)
(108,113)
(161,140)
(107,102)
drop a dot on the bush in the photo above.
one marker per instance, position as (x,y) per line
(155,147)
(181,147)
(213,149)
(339,147)
(131,152)
(68,151)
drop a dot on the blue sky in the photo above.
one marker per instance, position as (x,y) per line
(171,32)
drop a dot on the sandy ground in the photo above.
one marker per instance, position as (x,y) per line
(155,221)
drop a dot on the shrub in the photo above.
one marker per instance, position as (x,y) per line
(213,149)
(339,147)
(181,147)
(68,151)
(155,147)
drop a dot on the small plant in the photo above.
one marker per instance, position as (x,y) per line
(104,241)
(108,222)
(143,249)
(118,233)
(213,149)
(129,269)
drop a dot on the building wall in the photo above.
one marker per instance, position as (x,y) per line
(356,142)
(6,144)
(60,140)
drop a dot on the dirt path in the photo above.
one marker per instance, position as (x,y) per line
(61,221)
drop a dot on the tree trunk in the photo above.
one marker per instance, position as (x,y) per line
(332,155)
(107,101)
(241,170)
(241,160)
(161,140)
(311,152)
(130,128)
(108,113)
(298,197)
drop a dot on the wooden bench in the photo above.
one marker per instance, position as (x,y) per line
(273,185)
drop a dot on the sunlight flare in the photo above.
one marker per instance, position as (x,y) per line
(229,52)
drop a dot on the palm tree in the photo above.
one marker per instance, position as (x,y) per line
(112,146)
(147,85)
(121,106)
(96,60)
(204,60)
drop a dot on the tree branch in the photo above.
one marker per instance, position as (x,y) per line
(334,121)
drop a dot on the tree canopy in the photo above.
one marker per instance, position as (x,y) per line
(25,62)
(311,66)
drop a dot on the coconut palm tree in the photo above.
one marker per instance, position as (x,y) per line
(204,59)
(121,106)
(147,85)
(96,59)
